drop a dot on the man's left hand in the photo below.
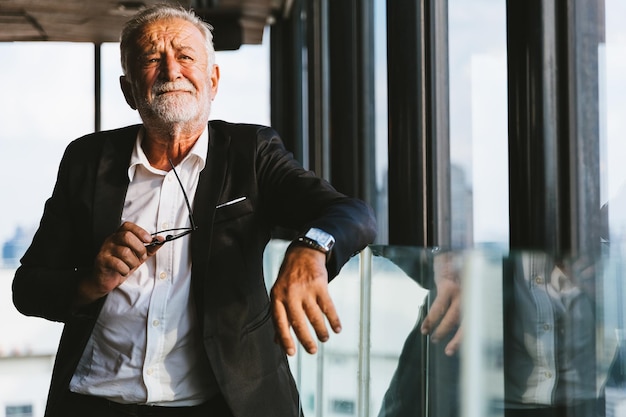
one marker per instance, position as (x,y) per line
(299,297)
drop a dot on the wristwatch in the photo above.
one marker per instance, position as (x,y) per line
(317,239)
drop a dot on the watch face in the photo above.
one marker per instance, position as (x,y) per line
(317,235)
(321,237)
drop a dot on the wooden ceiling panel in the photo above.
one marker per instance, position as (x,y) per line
(19,26)
(101,20)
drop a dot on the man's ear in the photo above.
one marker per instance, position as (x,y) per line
(215,79)
(127,89)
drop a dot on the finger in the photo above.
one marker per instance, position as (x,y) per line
(109,273)
(453,346)
(114,265)
(136,230)
(316,318)
(299,324)
(427,324)
(135,237)
(328,309)
(283,334)
(449,321)
(436,311)
(152,249)
(133,257)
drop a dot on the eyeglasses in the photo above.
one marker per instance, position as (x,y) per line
(180,231)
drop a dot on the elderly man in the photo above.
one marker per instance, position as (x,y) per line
(150,248)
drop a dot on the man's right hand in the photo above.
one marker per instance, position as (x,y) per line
(120,255)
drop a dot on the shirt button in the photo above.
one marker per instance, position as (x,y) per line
(546,327)
(548,374)
(163,275)
(539,279)
(155,323)
(149,371)
(165,225)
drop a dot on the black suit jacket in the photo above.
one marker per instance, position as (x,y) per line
(227,249)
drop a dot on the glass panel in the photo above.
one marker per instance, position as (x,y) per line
(509,334)
(611,314)
(478,122)
(529,339)
(378,312)
(399,353)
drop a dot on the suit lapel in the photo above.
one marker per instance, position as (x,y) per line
(210,185)
(112,183)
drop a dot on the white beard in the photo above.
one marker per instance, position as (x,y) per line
(175,108)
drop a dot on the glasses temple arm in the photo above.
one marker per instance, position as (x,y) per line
(193,224)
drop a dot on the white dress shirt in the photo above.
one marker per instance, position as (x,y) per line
(144,348)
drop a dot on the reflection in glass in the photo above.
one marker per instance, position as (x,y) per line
(426,379)
(549,335)
(507,334)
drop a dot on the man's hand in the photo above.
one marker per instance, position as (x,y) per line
(120,255)
(444,314)
(299,297)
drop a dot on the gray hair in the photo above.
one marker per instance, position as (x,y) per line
(163,11)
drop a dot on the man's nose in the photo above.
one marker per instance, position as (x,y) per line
(170,68)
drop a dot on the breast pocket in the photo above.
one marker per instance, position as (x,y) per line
(233,209)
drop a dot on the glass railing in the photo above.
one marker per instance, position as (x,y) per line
(514,334)
(522,334)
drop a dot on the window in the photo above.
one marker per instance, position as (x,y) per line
(478,122)
(50,103)
(58,106)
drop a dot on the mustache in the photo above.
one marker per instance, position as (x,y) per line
(165,87)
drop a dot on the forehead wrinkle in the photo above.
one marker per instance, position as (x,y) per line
(170,33)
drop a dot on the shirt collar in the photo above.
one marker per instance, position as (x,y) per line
(138,157)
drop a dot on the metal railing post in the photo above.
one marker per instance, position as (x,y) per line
(364,332)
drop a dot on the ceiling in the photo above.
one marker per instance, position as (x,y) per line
(235,22)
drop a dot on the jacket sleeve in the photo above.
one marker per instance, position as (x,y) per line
(297,199)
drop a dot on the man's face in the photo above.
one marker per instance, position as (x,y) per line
(169,78)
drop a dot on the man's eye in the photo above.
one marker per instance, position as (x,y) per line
(150,61)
